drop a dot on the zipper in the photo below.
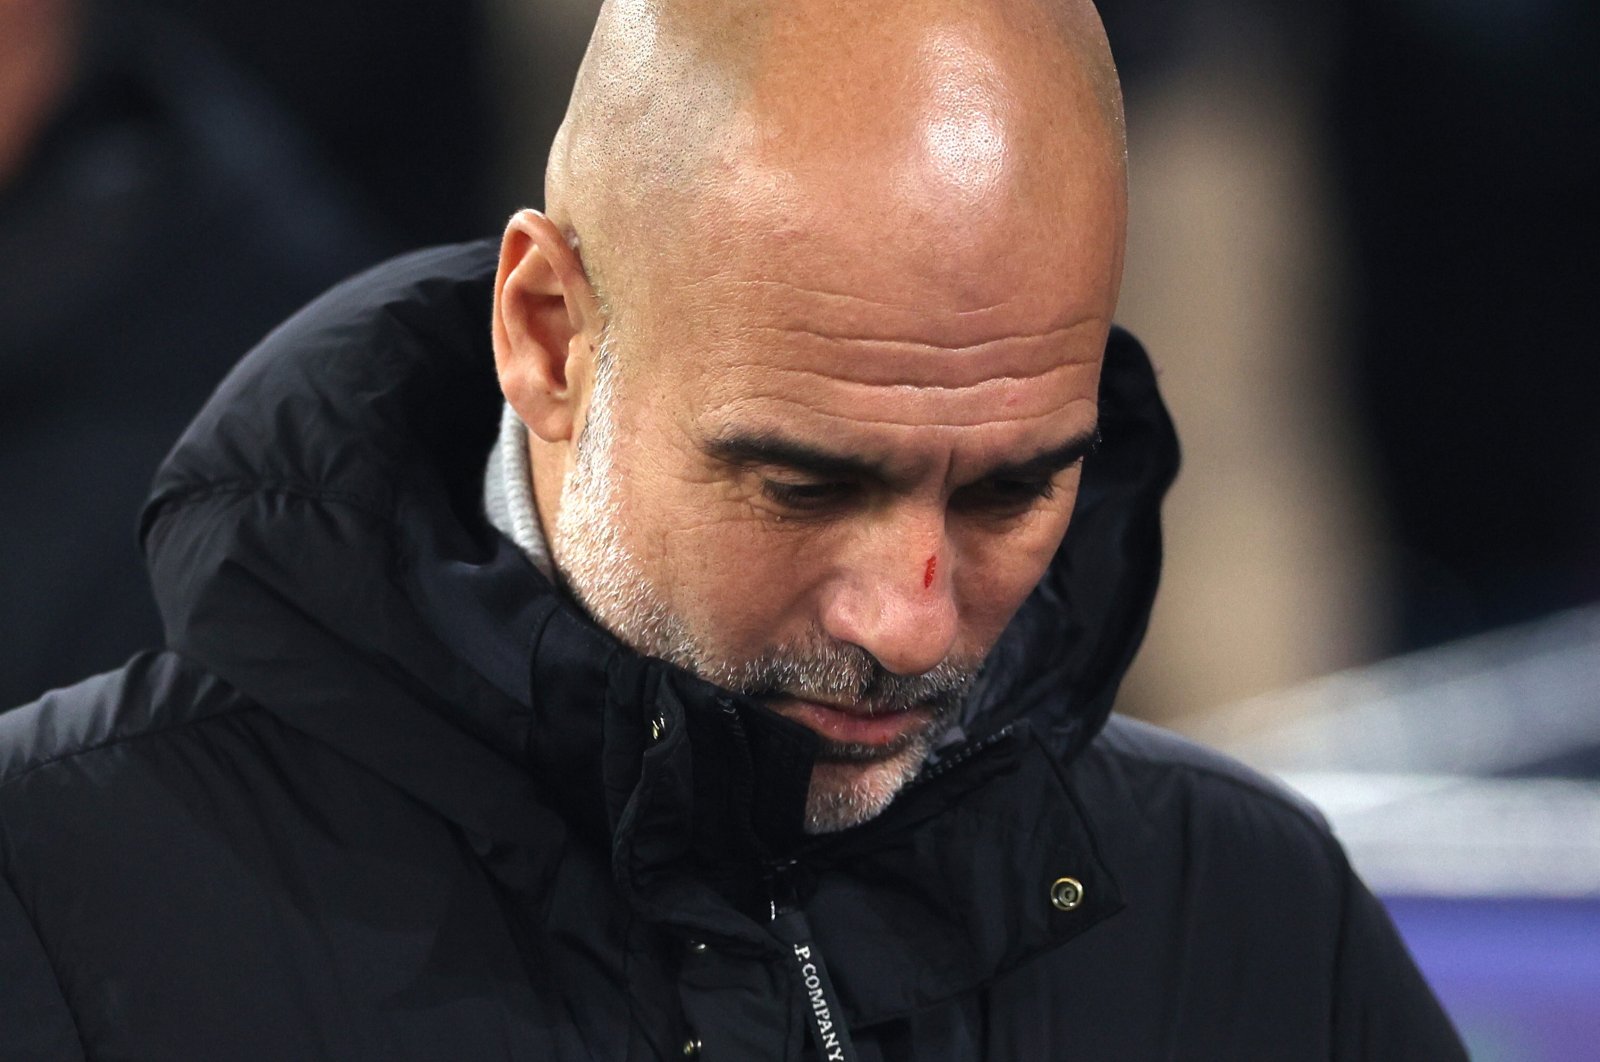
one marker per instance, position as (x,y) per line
(965,755)
(829,1033)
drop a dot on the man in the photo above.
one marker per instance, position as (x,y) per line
(774,723)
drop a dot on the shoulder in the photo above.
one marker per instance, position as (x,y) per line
(155,822)
(1159,761)
(153,694)
(150,743)
(1173,811)
(1236,900)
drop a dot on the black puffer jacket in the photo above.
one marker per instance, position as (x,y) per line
(388,796)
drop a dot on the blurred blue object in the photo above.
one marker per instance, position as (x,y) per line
(1521,978)
(1464,782)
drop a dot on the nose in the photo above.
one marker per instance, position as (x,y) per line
(894,597)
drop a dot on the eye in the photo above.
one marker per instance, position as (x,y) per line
(808,496)
(1003,497)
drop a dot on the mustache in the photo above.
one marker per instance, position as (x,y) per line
(831,671)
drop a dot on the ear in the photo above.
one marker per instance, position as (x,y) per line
(546,324)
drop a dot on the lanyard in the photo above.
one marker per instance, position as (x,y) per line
(828,1029)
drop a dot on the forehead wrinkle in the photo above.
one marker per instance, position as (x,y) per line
(847,296)
(948,346)
(942,316)
(1011,420)
(989,380)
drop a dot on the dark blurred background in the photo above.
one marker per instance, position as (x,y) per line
(177,176)
(1356,255)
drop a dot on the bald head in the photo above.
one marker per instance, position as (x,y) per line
(709,119)
(861,263)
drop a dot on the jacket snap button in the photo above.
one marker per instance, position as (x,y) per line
(691,1048)
(697,946)
(658,726)
(1066,893)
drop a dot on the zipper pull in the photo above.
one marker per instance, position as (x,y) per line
(828,1030)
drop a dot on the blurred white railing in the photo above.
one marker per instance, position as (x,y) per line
(1472,769)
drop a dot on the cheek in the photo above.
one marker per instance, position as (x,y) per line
(738,578)
(996,573)
(989,594)
(740,586)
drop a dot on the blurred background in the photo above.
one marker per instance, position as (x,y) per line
(1356,256)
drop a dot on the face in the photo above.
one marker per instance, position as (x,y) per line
(831,490)
(852,373)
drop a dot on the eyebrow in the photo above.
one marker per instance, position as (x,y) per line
(770,448)
(1052,460)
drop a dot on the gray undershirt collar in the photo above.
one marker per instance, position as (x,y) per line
(508,493)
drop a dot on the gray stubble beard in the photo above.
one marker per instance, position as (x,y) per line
(850,784)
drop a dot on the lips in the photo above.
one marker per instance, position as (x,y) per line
(854,725)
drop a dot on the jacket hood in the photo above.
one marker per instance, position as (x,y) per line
(317,539)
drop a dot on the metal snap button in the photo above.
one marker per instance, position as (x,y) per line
(691,1048)
(1066,893)
(697,946)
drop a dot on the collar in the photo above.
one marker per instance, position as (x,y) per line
(508,499)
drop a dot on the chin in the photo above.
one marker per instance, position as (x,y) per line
(846,794)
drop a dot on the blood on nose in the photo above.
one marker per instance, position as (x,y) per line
(928,570)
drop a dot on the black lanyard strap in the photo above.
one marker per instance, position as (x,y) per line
(828,1029)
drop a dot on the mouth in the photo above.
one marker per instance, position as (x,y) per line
(857,727)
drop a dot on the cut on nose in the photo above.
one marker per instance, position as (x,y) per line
(908,624)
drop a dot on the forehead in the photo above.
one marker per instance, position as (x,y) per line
(934,361)
(917,388)
(834,319)
(944,260)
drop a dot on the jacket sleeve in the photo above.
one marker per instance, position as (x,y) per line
(35,1023)
(1383,1009)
